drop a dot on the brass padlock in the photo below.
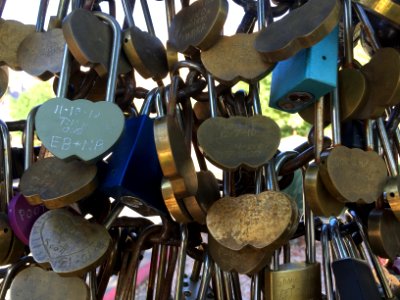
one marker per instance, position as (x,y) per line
(300,280)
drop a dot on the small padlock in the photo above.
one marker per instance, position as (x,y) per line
(301,80)
(134,169)
(296,281)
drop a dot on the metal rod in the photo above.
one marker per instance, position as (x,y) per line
(326,263)
(368,29)
(205,279)
(181,262)
(335,116)
(319,129)
(147,17)
(128,13)
(348,34)
(384,139)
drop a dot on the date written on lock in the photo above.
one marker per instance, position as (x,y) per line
(77,128)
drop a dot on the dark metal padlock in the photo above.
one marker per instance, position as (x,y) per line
(133,170)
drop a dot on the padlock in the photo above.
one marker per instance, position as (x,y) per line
(133,170)
(144,50)
(300,280)
(77,128)
(14,32)
(353,277)
(238,141)
(33,282)
(11,248)
(301,80)
(321,202)
(21,214)
(34,55)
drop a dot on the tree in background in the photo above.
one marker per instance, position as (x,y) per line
(290,124)
(39,93)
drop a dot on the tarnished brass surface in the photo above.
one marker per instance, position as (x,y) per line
(6,237)
(57,183)
(353,175)
(234,58)
(3,80)
(247,260)
(392,191)
(383,75)
(175,160)
(175,207)
(36,283)
(389,9)
(318,198)
(198,25)
(263,220)
(301,28)
(384,233)
(194,209)
(239,141)
(12,34)
(308,113)
(293,281)
(146,53)
(68,242)
(208,191)
(353,92)
(90,41)
(42,52)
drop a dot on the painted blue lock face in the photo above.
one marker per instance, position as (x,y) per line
(133,169)
(299,81)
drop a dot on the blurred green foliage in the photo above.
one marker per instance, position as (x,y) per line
(290,124)
(37,94)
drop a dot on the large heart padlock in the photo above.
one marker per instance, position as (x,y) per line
(81,128)
(69,243)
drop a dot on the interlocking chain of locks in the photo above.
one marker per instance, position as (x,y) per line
(62,234)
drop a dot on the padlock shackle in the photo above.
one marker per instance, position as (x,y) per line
(128,10)
(368,29)
(347,33)
(116,49)
(384,138)
(148,101)
(41,16)
(212,95)
(29,137)
(7,165)
(255,89)
(338,245)
(326,262)
(335,117)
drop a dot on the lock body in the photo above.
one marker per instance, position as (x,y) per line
(299,81)
(133,169)
(293,281)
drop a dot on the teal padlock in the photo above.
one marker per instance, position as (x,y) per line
(299,81)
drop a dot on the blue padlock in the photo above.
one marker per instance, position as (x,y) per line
(299,81)
(133,170)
